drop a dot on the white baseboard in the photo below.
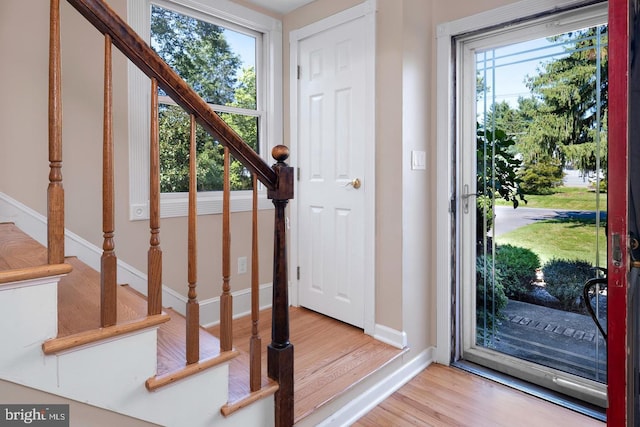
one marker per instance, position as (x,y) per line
(210,309)
(35,225)
(375,394)
(390,336)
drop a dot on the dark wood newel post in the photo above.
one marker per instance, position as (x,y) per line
(280,351)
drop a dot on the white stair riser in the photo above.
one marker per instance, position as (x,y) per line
(29,317)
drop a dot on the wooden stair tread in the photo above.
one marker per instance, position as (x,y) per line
(172,353)
(240,393)
(79,301)
(18,250)
(239,387)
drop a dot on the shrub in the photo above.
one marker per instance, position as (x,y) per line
(484,214)
(488,312)
(518,268)
(541,177)
(565,280)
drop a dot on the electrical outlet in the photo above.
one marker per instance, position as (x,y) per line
(242,265)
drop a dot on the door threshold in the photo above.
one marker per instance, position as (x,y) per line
(565,401)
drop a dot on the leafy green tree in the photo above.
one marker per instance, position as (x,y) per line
(503,116)
(245,125)
(198,52)
(201,55)
(573,95)
(497,166)
(497,176)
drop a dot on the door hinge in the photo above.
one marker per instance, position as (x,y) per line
(299,72)
(298,273)
(298,172)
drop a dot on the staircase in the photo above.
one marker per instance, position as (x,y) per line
(75,332)
(57,347)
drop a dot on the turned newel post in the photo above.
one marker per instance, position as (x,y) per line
(280,351)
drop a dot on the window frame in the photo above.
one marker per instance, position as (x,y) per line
(269,104)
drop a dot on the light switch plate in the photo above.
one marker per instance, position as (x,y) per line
(418,160)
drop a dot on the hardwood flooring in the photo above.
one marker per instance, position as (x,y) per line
(445,396)
(330,356)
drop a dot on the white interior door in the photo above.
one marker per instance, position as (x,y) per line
(333,182)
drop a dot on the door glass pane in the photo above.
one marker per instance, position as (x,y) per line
(541,201)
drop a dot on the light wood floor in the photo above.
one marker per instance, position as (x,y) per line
(329,355)
(444,396)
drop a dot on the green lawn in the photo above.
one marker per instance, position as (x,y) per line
(559,239)
(582,199)
(567,239)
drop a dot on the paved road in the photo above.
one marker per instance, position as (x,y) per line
(508,219)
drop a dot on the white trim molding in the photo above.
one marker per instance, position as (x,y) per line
(390,336)
(375,393)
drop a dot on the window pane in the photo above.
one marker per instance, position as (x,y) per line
(542,122)
(219,63)
(174,152)
(216,61)
(247,128)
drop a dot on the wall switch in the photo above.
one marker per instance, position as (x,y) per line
(418,160)
(242,265)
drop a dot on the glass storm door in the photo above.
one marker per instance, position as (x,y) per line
(532,200)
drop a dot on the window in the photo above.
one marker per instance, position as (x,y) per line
(231,57)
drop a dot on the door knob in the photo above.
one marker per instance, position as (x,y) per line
(355,183)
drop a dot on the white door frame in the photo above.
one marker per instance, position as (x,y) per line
(366,9)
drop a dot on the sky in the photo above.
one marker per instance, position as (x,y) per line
(513,64)
(244,46)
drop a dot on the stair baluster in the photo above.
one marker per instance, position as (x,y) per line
(255,343)
(226,300)
(155,253)
(108,261)
(55,191)
(193,308)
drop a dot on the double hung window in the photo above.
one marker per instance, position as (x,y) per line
(228,55)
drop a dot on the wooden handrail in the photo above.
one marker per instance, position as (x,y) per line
(98,13)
